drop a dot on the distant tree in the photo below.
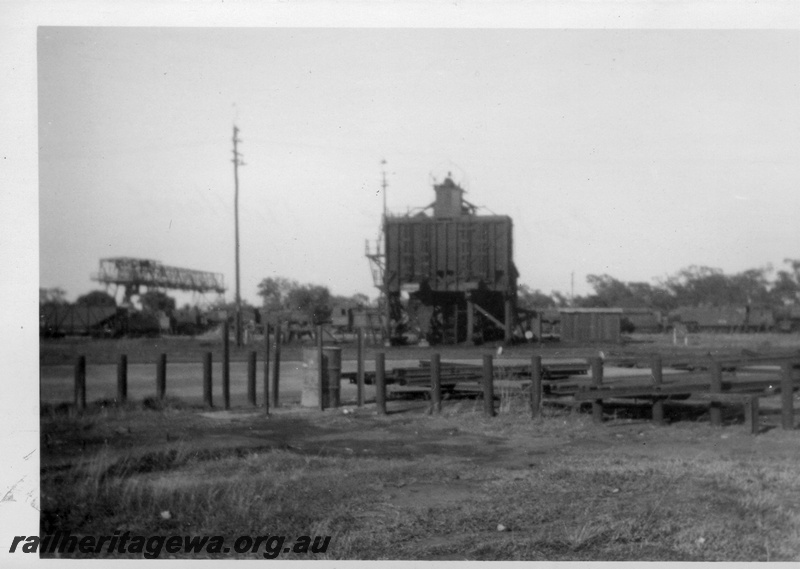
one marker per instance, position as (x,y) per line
(650,296)
(274,292)
(55,295)
(532,299)
(750,287)
(608,291)
(560,299)
(314,300)
(706,286)
(697,286)
(279,293)
(611,292)
(157,301)
(691,286)
(360,299)
(97,298)
(786,289)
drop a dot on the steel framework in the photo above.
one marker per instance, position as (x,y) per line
(135,273)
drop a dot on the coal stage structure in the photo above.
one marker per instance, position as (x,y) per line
(449,273)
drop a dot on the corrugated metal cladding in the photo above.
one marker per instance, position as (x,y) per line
(590,327)
(450,254)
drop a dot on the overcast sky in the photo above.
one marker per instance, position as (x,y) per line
(628,152)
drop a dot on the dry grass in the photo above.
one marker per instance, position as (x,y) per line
(562,488)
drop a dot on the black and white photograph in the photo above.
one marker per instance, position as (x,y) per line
(453,283)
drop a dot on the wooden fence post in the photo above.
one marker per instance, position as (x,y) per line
(536,386)
(360,372)
(266,369)
(656,368)
(320,368)
(208,398)
(380,382)
(122,379)
(161,377)
(436,383)
(80,383)
(751,415)
(276,368)
(488,386)
(787,396)
(715,410)
(251,378)
(597,381)
(226,367)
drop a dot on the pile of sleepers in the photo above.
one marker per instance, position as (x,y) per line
(461,376)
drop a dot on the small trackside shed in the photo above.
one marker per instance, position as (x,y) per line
(591,324)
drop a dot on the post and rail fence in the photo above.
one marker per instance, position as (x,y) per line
(709,386)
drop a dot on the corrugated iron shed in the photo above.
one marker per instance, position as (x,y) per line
(591,324)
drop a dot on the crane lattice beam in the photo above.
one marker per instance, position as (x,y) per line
(133,273)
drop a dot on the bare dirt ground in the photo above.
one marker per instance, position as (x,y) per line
(412,485)
(416,486)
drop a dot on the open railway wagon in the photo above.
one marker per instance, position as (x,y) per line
(77,320)
(96,321)
(450,275)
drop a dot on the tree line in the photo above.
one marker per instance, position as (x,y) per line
(151,301)
(693,286)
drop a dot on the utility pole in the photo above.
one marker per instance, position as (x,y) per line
(572,289)
(384,185)
(236,163)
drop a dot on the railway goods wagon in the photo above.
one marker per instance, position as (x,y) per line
(457,268)
(726,318)
(787,318)
(77,320)
(591,324)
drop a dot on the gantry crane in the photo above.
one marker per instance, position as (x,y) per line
(134,273)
